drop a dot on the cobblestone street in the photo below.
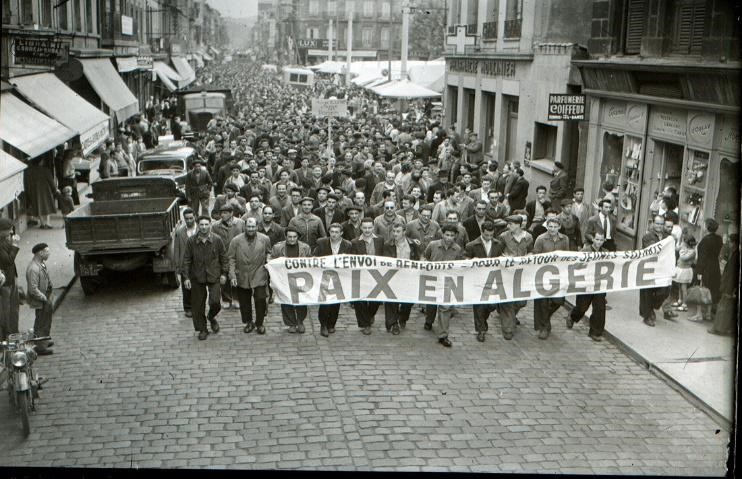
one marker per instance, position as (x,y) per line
(131,386)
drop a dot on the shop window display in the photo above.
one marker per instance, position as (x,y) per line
(693,191)
(728,200)
(621,167)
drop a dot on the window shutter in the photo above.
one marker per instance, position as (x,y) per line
(689,27)
(635,25)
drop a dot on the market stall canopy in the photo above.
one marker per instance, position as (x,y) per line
(429,74)
(166,75)
(404,89)
(50,95)
(29,130)
(197,58)
(185,71)
(110,87)
(126,64)
(11,178)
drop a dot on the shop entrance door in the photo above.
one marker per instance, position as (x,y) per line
(664,169)
(512,130)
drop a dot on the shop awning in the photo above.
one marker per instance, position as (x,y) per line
(57,100)
(11,178)
(207,57)
(184,70)
(110,87)
(166,75)
(126,64)
(29,130)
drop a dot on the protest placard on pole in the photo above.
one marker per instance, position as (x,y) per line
(329,108)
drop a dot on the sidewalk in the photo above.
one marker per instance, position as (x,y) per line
(700,365)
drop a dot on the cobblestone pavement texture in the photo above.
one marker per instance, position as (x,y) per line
(131,386)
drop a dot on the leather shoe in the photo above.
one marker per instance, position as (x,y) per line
(428,327)
(45,352)
(300,328)
(261,329)
(331,330)
(249,327)
(366,330)
(292,329)
(203,335)
(670,314)
(49,344)
(543,334)
(480,336)
(188,314)
(570,322)
(395,329)
(649,322)
(507,336)
(323,331)
(595,337)
(402,324)
(446,342)
(214,325)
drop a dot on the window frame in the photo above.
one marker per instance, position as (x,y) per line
(367,37)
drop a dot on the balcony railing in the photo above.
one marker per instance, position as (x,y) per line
(512,28)
(471,29)
(489,30)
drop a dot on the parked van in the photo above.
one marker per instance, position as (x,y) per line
(300,77)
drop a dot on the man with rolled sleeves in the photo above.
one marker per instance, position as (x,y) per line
(444,249)
(543,308)
(248,252)
(293,315)
(485,246)
(334,244)
(596,300)
(9,300)
(308,224)
(369,244)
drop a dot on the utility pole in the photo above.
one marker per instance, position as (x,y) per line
(329,42)
(405,34)
(350,48)
(389,51)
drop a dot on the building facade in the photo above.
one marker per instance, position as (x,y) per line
(663,89)
(504,58)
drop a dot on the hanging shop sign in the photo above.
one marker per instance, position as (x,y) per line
(144,62)
(40,50)
(566,107)
(127,25)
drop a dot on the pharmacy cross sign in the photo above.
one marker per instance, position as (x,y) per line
(461,39)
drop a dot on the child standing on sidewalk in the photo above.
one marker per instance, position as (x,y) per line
(684,267)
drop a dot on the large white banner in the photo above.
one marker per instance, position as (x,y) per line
(343,278)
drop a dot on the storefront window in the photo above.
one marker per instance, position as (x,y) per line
(728,200)
(621,174)
(693,191)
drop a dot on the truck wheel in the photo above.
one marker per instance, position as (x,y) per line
(171,280)
(90,284)
(23,411)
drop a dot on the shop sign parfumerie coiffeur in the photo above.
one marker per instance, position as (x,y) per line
(39,50)
(566,107)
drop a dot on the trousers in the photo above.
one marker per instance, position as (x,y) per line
(365,312)
(186,294)
(543,308)
(508,312)
(396,313)
(9,308)
(194,204)
(328,315)
(293,315)
(246,296)
(199,293)
(651,299)
(430,312)
(481,314)
(42,324)
(597,316)
(443,319)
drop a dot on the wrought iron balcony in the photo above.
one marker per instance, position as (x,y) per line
(471,29)
(512,28)
(489,30)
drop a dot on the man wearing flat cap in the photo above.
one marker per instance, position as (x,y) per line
(330,213)
(9,300)
(40,297)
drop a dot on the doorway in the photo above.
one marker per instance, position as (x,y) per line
(511,136)
(665,169)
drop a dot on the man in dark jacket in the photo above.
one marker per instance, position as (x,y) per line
(518,192)
(198,188)
(369,244)
(596,300)
(537,208)
(651,299)
(9,301)
(205,267)
(335,244)
(485,246)
(397,314)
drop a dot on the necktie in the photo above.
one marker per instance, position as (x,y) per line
(605,230)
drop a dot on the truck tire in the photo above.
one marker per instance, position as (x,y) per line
(89,285)
(171,280)
(24,410)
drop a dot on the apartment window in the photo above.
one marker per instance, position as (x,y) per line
(89,16)
(63,19)
(368,37)
(689,19)
(7,12)
(636,16)
(46,13)
(513,18)
(350,6)
(368,8)
(545,137)
(384,39)
(313,7)
(312,33)
(332,7)
(77,13)
(386,10)
(27,12)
